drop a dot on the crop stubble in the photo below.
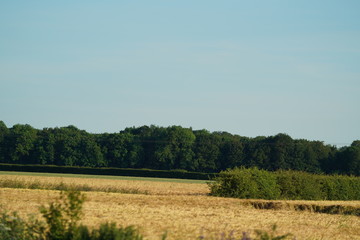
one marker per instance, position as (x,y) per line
(182,209)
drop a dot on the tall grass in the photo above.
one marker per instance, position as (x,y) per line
(19,183)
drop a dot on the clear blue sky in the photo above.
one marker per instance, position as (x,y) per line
(246,67)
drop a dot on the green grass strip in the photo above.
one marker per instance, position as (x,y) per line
(104,177)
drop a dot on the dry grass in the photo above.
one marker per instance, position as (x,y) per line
(109,185)
(185,211)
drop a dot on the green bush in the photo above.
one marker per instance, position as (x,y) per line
(291,185)
(13,227)
(299,185)
(245,183)
(62,217)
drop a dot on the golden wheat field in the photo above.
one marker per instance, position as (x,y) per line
(182,209)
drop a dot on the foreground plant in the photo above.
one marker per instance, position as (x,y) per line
(62,216)
(61,223)
(13,227)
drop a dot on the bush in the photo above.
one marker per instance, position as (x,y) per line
(245,183)
(299,185)
(13,227)
(62,216)
(290,185)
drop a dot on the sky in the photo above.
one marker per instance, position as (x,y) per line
(252,68)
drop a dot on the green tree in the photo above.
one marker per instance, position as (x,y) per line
(349,159)
(19,143)
(232,152)
(207,151)
(74,147)
(120,149)
(174,148)
(44,152)
(147,139)
(4,131)
(281,147)
(257,153)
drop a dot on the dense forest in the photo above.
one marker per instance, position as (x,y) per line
(172,147)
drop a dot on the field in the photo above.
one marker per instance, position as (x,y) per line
(180,207)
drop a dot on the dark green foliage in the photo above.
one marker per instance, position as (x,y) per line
(291,185)
(18,144)
(173,147)
(299,185)
(246,183)
(207,151)
(182,174)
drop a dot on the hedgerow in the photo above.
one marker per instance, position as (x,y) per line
(254,183)
(181,174)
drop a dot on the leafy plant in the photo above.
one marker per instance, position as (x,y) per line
(62,216)
(245,183)
(12,226)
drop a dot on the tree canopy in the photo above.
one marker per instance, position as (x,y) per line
(172,147)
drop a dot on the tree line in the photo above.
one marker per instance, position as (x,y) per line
(173,147)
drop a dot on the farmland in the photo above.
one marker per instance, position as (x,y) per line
(180,207)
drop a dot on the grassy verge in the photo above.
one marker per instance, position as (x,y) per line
(104,177)
(130,172)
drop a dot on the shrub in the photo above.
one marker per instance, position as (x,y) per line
(299,185)
(62,216)
(291,185)
(245,183)
(182,174)
(12,226)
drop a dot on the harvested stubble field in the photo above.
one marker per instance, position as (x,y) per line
(183,209)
